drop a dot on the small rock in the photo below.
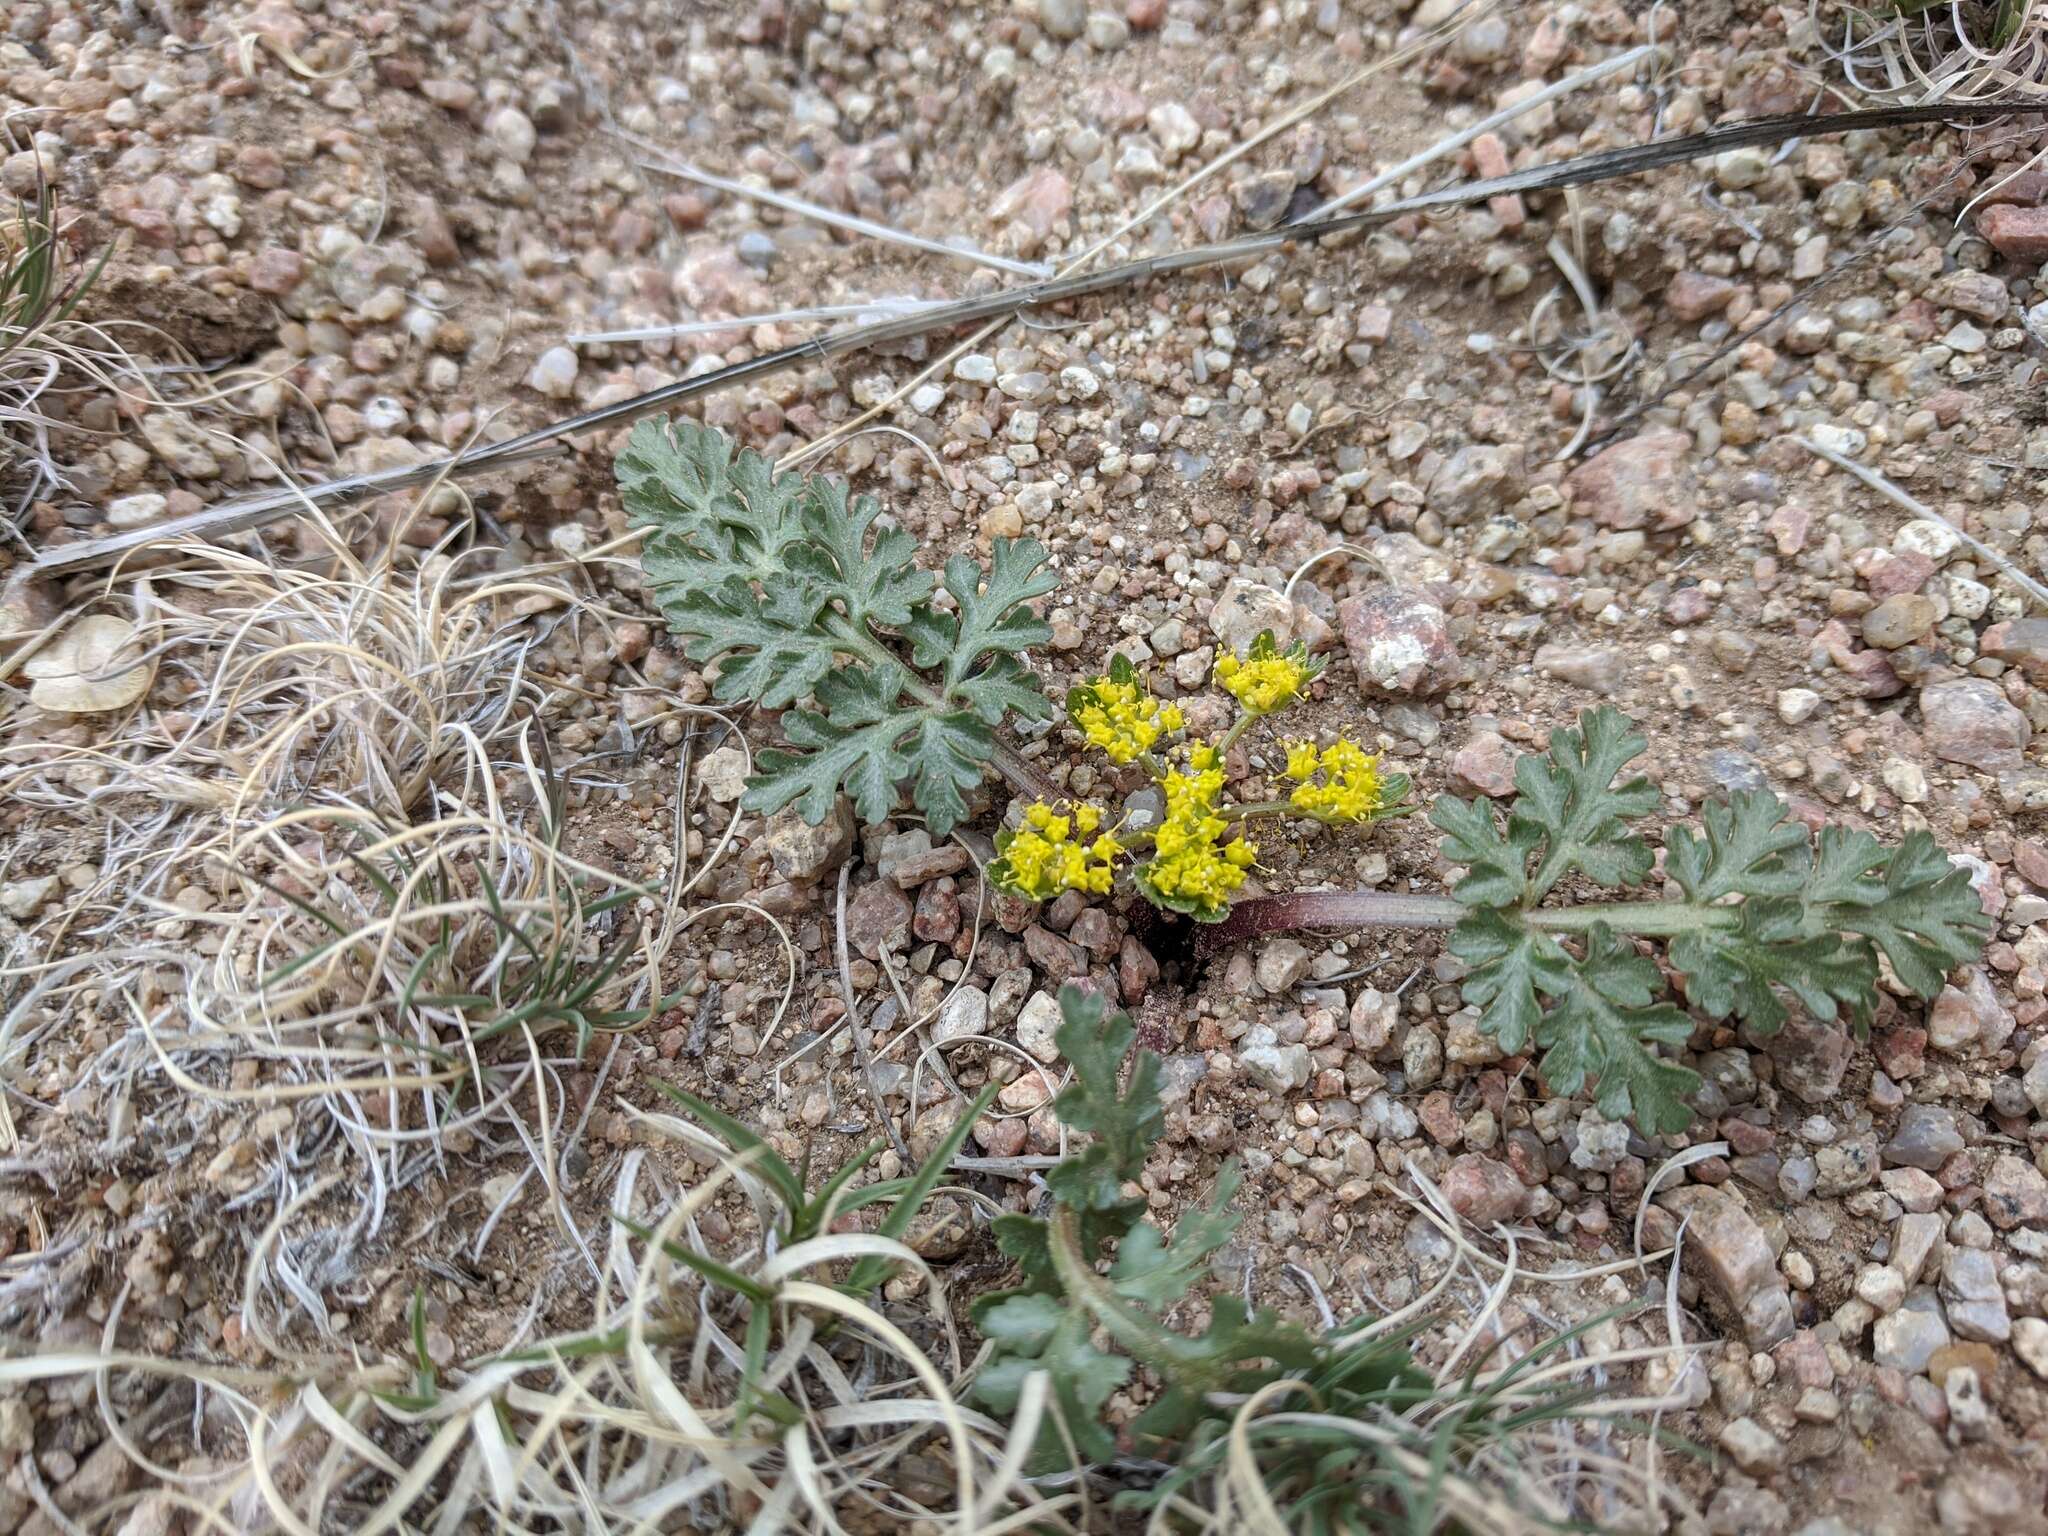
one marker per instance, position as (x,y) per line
(1244,609)
(1754,1449)
(1476,481)
(1277,1068)
(1967,720)
(2030,1343)
(1063,18)
(96,664)
(179,444)
(1906,1339)
(1282,964)
(1926,1137)
(1741,167)
(1037,202)
(1692,296)
(878,916)
(1972,1296)
(1810,1058)
(22,899)
(1730,1254)
(1038,1024)
(1602,1143)
(2015,1193)
(137,511)
(511,134)
(1175,128)
(1916,1243)
(801,851)
(2021,642)
(1797,705)
(962,1014)
(723,774)
(1643,482)
(1400,643)
(1483,1191)
(1978,294)
(1596,667)
(2015,232)
(1899,621)
(554,373)
(276,271)
(1485,764)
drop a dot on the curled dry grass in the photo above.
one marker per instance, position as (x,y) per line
(644,1418)
(1924,51)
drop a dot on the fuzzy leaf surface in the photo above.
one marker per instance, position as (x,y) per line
(1737,971)
(1497,865)
(798,593)
(1511,965)
(1748,849)
(1036,1332)
(1569,796)
(1155,1272)
(1928,918)
(1601,1033)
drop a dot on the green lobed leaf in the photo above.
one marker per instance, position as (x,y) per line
(1601,1031)
(855,742)
(876,583)
(797,593)
(1156,1273)
(1928,918)
(1039,1333)
(1128,1124)
(1510,964)
(974,649)
(1238,1353)
(1498,866)
(1749,849)
(1570,798)
(715,515)
(1737,971)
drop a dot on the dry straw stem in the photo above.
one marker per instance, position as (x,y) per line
(1581,170)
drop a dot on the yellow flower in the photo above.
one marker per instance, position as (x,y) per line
(1268,678)
(1350,787)
(1117,714)
(1191,870)
(1054,852)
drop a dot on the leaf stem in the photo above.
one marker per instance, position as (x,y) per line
(1390,909)
(1017,770)
(1238,728)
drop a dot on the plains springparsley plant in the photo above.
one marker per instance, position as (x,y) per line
(1761,915)
(809,602)
(1196,858)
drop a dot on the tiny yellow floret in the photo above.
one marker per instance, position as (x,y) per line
(1045,856)
(1349,787)
(1122,718)
(1190,866)
(1265,682)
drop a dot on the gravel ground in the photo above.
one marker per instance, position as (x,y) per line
(377,229)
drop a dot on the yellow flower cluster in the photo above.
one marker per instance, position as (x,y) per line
(1054,852)
(1188,868)
(1267,679)
(1350,788)
(1122,718)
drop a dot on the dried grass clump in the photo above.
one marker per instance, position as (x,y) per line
(1921,52)
(648,1416)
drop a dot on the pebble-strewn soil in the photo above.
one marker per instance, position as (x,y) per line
(384,224)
